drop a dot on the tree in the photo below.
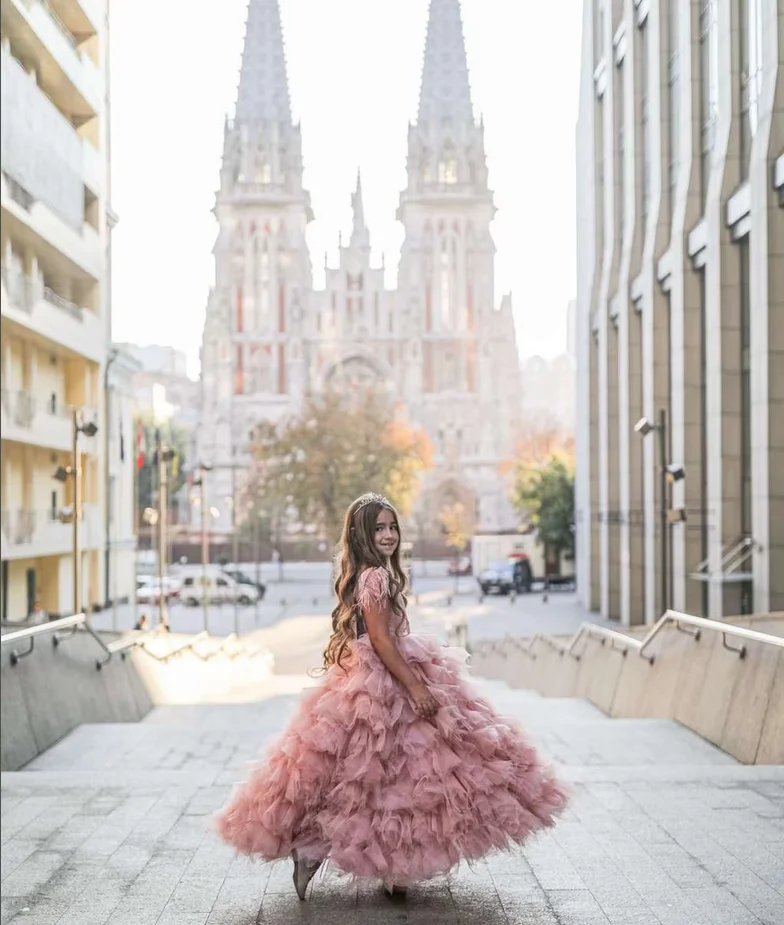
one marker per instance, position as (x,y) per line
(545,493)
(457,531)
(338,448)
(147,473)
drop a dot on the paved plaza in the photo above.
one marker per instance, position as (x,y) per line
(112,825)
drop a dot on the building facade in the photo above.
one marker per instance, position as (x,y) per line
(55,309)
(437,344)
(681,308)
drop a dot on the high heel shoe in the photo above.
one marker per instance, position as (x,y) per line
(304,871)
(396,894)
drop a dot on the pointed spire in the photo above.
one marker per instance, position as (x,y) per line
(445,94)
(360,236)
(263,93)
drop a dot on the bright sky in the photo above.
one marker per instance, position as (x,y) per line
(354,69)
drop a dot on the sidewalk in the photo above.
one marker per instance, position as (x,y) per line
(111,827)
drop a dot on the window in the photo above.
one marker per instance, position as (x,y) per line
(745,386)
(709,85)
(447,169)
(446,308)
(598,43)
(645,184)
(222,583)
(672,79)
(750,54)
(263,298)
(620,177)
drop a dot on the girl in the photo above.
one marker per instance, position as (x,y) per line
(394,768)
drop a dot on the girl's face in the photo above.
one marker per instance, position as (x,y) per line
(387,533)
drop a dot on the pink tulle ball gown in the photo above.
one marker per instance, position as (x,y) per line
(360,779)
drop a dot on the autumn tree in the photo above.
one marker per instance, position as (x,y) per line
(317,463)
(457,530)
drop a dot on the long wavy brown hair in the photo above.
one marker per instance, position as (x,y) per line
(356,552)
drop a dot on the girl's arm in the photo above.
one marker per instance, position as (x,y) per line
(375,608)
(377,623)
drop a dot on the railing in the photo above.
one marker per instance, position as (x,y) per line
(66,627)
(71,308)
(683,622)
(19,526)
(24,409)
(57,629)
(62,28)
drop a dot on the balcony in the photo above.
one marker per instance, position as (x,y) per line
(67,75)
(46,166)
(80,17)
(26,419)
(33,306)
(29,534)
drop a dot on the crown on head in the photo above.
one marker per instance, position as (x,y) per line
(372,498)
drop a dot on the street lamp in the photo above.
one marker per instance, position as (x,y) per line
(62,474)
(201,482)
(668,473)
(164,455)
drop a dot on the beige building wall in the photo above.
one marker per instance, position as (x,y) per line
(680,147)
(54,294)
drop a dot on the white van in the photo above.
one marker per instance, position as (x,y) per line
(218,589)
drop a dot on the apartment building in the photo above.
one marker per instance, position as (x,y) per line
(680,344)
(55,303)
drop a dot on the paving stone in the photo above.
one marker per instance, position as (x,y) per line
(664,829)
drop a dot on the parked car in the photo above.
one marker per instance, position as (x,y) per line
(243,579)
(148,589)
(461,567)
(218,589)
(505,577)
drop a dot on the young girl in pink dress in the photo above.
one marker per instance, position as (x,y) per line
(394,767)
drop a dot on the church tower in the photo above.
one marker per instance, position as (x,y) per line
(253,362)
(446,287)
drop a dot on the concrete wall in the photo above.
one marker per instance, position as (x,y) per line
(738,704)
(54,690)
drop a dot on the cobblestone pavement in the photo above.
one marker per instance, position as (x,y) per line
(111,827)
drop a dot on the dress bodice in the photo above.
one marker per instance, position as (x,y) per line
(373,591)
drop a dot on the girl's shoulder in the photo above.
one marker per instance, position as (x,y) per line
(373,586)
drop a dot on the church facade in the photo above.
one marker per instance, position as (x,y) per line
(438,343)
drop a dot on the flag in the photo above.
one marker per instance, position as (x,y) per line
(140,445)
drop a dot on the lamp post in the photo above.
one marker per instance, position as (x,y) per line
(672,472)
(62,474)
(164,455)
(201,481)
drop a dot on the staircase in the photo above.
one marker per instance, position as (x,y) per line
(111,827)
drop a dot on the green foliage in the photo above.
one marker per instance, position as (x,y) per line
(147,475)
(546,495)
(317,463)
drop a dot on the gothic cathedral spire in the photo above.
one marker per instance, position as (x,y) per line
(445,94)
(263,94)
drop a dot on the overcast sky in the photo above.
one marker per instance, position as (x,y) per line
(354,69)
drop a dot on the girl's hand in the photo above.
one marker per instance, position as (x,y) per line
(425,703)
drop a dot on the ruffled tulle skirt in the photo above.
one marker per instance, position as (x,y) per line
(359,778)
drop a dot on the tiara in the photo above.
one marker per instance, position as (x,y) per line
(372,498)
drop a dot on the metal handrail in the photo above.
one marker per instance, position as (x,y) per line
(53,628)
(679,619)
(121,646)
(623,643)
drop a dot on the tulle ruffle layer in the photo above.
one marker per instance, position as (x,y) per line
(358,777)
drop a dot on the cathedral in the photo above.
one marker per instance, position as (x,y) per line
(438,344)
